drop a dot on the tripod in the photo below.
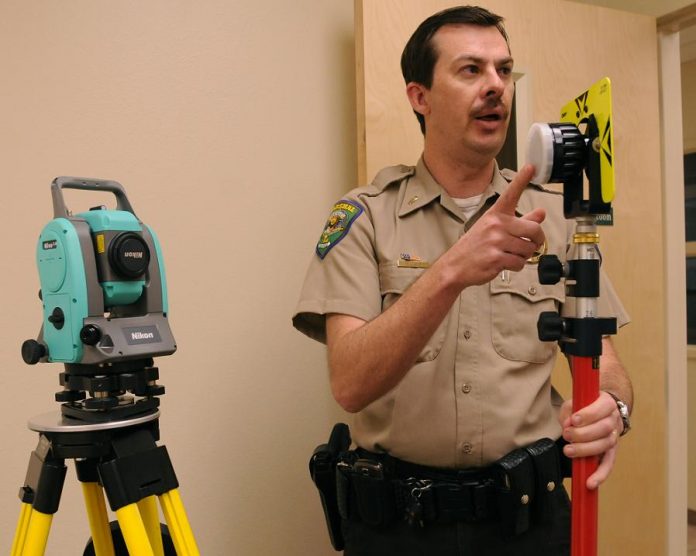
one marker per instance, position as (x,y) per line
(122,457)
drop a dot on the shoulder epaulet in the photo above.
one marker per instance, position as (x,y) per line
(392,174)
(509,175)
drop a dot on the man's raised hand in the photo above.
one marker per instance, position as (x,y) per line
(500,240)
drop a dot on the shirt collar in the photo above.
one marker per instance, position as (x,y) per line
(422,189)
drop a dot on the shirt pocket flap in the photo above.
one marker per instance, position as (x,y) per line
(396,280)
(517,300)
(526,284)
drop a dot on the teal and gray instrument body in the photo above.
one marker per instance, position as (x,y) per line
(103,284)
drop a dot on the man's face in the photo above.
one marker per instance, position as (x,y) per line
(471,94)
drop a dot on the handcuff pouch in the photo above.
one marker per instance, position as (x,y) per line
(515,490)
(547,475)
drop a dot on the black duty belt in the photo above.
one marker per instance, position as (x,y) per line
(378,489)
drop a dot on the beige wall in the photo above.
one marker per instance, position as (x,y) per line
(230,123)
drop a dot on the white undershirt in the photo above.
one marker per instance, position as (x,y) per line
(468,205)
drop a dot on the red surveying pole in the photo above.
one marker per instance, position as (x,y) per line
(585,501)
(585,371)
(580,338)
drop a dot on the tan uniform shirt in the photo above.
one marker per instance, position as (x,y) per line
(481,386)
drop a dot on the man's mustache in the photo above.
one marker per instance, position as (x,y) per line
(490,106)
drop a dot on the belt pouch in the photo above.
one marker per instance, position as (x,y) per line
(373,494)
(547,474)
(343,493)
(515,491)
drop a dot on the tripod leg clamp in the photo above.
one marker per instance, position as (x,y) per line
(43,484)
(131,478)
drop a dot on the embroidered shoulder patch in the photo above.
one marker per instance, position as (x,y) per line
(342,216)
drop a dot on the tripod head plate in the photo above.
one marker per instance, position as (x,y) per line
(55,421)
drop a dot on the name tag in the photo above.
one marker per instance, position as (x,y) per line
(407,260)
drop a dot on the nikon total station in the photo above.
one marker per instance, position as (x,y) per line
(104,299)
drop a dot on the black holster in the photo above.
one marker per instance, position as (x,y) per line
(322,469)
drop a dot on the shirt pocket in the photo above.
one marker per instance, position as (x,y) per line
(517,300)
(394,281)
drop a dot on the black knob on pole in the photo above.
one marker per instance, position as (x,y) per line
(550,326)
(550,269)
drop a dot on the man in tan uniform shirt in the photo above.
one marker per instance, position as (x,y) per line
(424,284)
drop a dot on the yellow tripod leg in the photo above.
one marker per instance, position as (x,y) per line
(21,531)
(98,519)
(179,527)
(37,533)
(133,531)
(150,515)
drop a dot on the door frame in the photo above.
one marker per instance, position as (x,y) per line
(669,27)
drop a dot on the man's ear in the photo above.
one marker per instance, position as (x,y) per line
(418,97)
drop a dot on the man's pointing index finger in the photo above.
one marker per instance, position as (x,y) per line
(507,202)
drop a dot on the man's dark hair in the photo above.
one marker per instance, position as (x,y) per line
(419,56)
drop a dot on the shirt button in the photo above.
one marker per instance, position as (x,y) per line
(466,388)
(532,290)
(467,448)
(467,334)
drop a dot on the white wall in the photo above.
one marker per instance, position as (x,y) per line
(230,123)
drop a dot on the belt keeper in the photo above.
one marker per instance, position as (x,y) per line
(481,501)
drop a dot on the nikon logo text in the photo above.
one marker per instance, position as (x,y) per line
(133,254)
(136,335)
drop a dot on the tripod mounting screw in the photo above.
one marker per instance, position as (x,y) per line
(33,351)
